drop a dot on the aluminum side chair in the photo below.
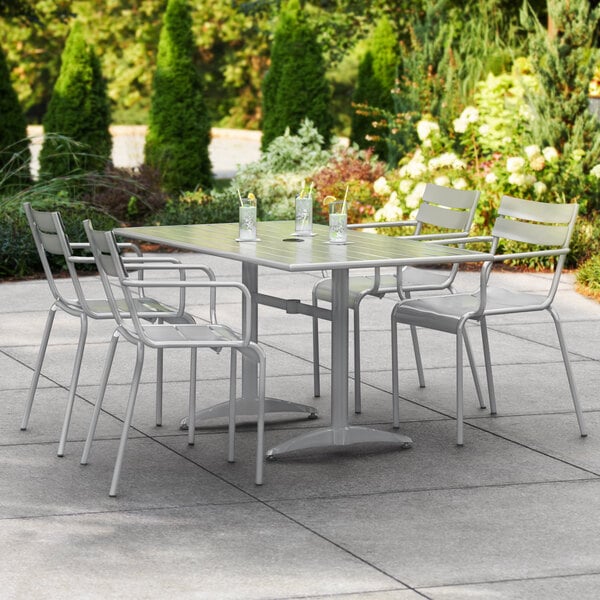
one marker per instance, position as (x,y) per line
(50,238)
(116,278)
(544,228)
(451,212)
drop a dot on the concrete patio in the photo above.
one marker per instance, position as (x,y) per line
(512,514)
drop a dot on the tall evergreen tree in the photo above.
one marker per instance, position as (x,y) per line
(376,79)
(564,60)
(179,126)
(15,155)
(295,88)
(79,110)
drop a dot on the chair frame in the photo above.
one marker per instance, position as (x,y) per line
(113,271)
(50,238)
(530,222)
(447,208)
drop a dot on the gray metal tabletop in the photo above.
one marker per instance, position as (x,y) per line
(310,254)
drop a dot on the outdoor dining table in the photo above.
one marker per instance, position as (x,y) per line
(276,247)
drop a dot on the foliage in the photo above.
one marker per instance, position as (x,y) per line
(18,255)
(376,79)
(78,109)
(196,208)
(179,127)
(295,86)
(564,60)
(131,196)
(14,146)
(278,176)
(487,150)
(359,172)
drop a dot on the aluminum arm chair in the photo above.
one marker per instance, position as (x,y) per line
(50,238)
(547,228)
(159,336)
(451,212)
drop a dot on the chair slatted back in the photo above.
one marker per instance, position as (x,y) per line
(536,223)
(447,208)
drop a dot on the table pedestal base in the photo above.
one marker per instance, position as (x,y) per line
(339,436)
(249,408)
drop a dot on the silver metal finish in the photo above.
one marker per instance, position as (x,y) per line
(532,224)
(314,254)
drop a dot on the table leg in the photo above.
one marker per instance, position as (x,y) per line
(247,405)
(340,433)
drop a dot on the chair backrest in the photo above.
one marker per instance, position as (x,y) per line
(537,223)
(546,228)
(447,208)
(112,271)
(50,238)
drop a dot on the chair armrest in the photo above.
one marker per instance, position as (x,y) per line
(519,255)
(465,240)
(374,225)
(213,285)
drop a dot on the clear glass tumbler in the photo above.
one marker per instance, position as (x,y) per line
(338,222)
(303,215)
(248,219)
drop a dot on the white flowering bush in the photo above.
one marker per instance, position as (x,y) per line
(486,150)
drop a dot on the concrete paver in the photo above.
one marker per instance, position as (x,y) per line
(512,514)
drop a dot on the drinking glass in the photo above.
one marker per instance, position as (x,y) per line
(303,215)
(248,219)
(338,222)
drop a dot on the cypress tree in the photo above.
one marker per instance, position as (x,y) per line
(15,155)
(564,60)
(179,125)
(295,88)
(79,110)
(376,80)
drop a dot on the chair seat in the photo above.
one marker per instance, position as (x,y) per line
(411,277)
(165,334)
(146,307)
(444,313)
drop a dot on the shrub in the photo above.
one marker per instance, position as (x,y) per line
(278,176)
(376,76)
(18,255)
(14,145)
(197,208)
(179,125)
(295,87)
(358,170)
(79,110)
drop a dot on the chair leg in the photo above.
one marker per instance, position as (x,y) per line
(471,359)
(316,358)
(488,365)
(137,372)
(159,386)
(192,397)
(395,392)
(98,406)
(569,370)
(38,366)
(357,378)
(260,419)
(417,353)
(232,407)
(459,388)
(73,386)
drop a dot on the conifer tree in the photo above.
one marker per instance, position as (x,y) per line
(295,87)
(79,110)
(14,147)
(376,79)
(179,125)
(564,60)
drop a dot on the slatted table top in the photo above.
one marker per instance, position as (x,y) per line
(311,254)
